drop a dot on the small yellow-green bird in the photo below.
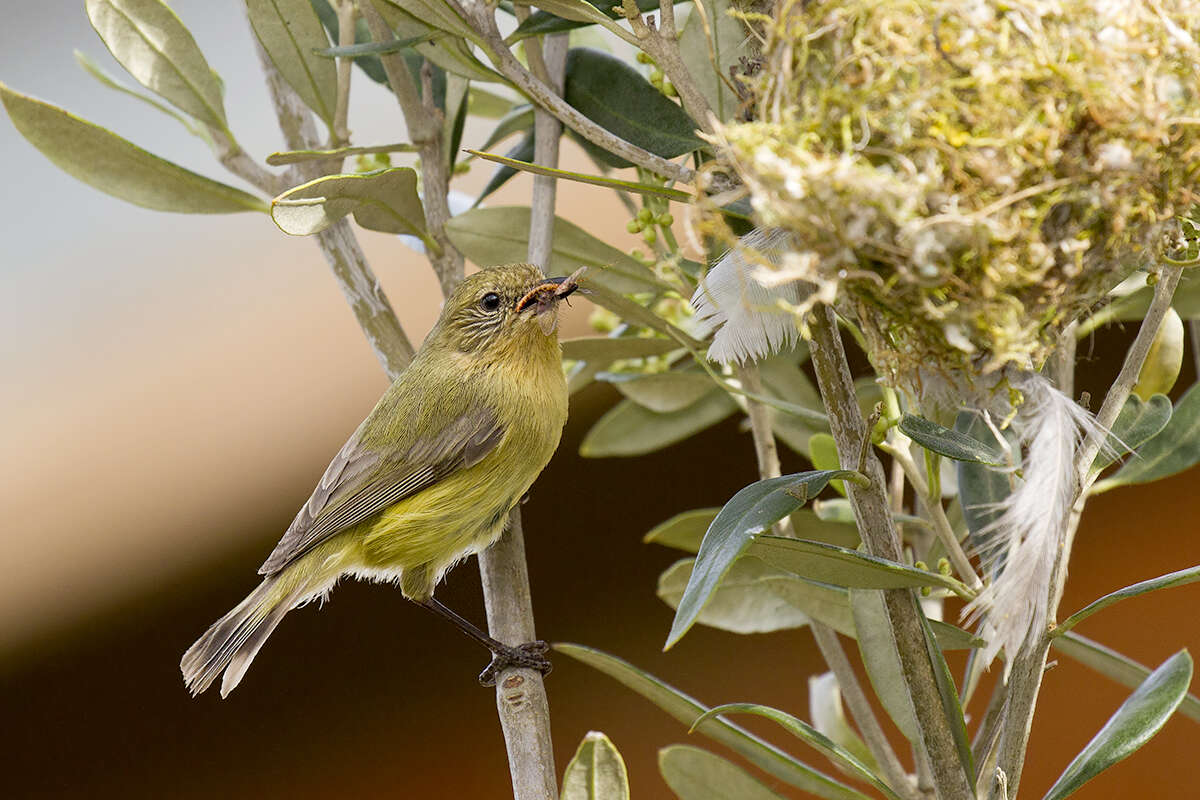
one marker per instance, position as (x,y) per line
(429,477)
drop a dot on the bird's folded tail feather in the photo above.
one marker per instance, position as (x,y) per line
(230,643)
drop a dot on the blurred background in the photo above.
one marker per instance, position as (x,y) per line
(173,387)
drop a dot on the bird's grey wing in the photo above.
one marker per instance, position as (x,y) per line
(360,482)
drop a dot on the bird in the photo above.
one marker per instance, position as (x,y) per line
(428,478)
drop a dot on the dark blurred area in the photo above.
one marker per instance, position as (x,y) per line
(373,697)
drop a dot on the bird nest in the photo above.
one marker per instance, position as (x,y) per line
(966,177)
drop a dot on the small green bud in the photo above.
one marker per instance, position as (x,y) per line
(926,591)
(645,216)
(644,58)
(944,566)
(921,565)
(669,89)
(649,235)
(666,220)
(633,226)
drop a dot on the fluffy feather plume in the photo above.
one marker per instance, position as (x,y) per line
(1021,545)
(752,320)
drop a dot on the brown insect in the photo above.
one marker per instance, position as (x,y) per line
(547,294)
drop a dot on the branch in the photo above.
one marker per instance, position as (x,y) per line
(877,528)
(424,123)
(1025,680)
(521,693)
(481,19)
(338,242)
(662,44)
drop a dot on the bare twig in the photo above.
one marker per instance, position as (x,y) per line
(424,123)
(877,528)
(347,14)
(520,693)
(338,243)
(479,16)
(1025,679)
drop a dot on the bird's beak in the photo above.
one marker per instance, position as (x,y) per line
(547,293)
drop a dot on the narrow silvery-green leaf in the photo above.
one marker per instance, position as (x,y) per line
(947,442)
(686,710)
(634,313)
(1139,422)
(525,165)
(449,51)
(695,774)
(523,150)
(812,737)
(1116,666)
(97,72)
(948,692)
(1179,578)
(981,488)
(1135,722)
(605,350)
(597,771)
(684,531)
(148,40)
(291,33)
(489,105)
(709,59)
(755,598)
(877,646)
(384,200)
(616,97)
(542,22)
(753,510)
(627,429)
(1174,449)
(841,566)
(500,235)
(1164,360)
(660,391)
(118,167)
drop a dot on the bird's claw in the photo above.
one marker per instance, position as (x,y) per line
(530,655)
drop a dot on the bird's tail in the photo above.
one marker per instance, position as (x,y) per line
(231,643)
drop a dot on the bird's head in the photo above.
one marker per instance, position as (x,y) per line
(501,307)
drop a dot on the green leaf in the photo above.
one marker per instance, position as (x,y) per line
(543,22)
(116,166)
(368,49)
(97,72)
(754,509)
(634,313)
(384,200)
(828,716)
(1116,666)
(729,38)
(524,149)
(1135,722)
(1168,581)
(291,33)
(597,772)
(877,646)
(616,97)
(686,709)
(419,18)
(841,566)
(280,159)
(524,165)
(812,737)
(695,774)
(823,454)
(948,692)
(518,119)
(1174,449)
(1164,360)
(489,105)
(981,489)
(500,235)
(605,350)
(684,531)
(149,41)
(947,442)
(372,67)
(662,392)
(627,429)
(1139,422)
(756,598)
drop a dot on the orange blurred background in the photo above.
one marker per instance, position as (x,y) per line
(175,385)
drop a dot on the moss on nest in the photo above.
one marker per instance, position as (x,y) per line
(968,176)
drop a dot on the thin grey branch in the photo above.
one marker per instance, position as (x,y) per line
(878,530)
(662,44)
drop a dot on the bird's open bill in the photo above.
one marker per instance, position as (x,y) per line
(547,294)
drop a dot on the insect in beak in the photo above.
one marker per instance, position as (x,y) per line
(547,293)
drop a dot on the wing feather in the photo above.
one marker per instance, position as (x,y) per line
(360,482)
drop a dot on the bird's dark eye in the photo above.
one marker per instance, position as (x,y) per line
(490,301)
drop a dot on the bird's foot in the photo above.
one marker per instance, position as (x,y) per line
(530,655)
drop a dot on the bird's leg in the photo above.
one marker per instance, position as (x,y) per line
(530,655)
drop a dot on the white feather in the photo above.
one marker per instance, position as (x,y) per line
(746,316)
(1022,544)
